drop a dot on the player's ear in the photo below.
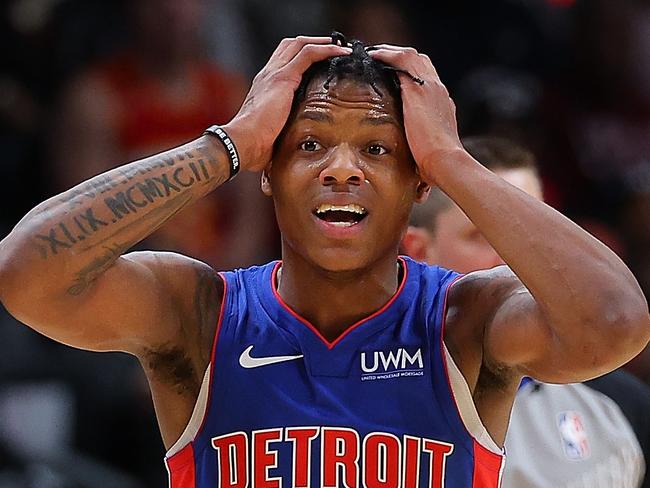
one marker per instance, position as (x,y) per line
(415,243)
(422,192)
(266,181)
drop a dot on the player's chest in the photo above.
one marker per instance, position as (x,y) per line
(275,379)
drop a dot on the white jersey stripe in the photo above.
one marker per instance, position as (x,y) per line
(466,408)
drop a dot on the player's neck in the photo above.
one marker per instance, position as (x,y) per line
(333,301)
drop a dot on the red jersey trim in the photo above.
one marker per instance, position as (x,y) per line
(181,468)
(331,345)
(488,468)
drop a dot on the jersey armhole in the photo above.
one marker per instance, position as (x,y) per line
(466,407)
(198,417)
(459,389)
(196,420)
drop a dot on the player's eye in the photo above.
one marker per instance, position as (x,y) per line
(310,146)
(376,150)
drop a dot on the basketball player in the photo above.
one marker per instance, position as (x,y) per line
(341,365)
(576,435)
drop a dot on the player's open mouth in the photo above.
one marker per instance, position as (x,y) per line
(341,215)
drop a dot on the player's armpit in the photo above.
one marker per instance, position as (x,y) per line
(472,302)
(142,301)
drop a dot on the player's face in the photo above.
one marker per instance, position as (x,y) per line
(342,177)
(459,245)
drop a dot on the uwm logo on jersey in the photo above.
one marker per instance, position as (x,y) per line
(383,365)
(340,456)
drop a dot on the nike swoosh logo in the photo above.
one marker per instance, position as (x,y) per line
(246,361)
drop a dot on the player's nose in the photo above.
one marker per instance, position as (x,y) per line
(342,167)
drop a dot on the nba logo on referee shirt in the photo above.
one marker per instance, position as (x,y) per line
(574,436)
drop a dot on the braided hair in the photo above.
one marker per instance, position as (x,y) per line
(358,66)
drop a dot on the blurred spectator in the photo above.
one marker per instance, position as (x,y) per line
(158,93)
(500,101)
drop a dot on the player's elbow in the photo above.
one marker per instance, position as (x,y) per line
(636,327)
(10,288)
(7,274)
(20,286)
(625,328)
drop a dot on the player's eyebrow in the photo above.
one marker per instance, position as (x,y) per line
(375,119)
(380,119)
(316,116)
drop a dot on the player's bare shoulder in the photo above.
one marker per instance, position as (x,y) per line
(472,302)
(181,355)
(474,295)
(175,348)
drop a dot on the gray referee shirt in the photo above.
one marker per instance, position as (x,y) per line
(570,436)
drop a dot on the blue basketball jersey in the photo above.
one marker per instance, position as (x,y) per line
(374,408)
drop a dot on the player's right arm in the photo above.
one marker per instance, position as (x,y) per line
(63,268)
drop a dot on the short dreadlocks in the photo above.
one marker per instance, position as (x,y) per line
(358,66)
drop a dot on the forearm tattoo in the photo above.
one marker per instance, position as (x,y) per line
(100,219)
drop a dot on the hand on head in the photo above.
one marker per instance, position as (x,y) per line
(268,103)
(429,112)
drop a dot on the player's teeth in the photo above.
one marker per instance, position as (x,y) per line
(326,207)
(342,224)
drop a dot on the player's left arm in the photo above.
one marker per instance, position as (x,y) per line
(566,308)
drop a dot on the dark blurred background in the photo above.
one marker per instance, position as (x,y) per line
(86,85)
